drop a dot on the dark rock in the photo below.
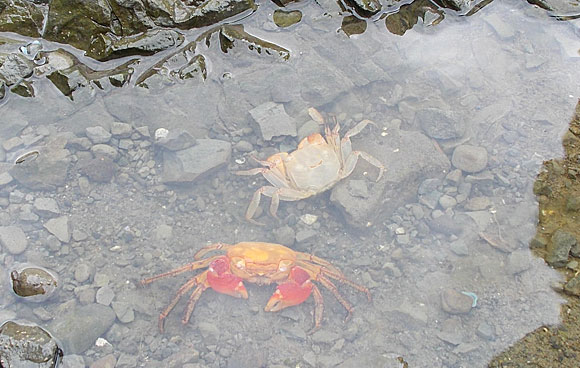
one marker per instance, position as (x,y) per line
(559,248)
(416,157)
(439,124)
(24,89)
(21,17)
(101,169)
(187,165)
(366,8)
(573,204)
(273,120)
(176,140)
(352,25)
(33,283)
(27,346)
(79,328)
(572,287)
(284,18)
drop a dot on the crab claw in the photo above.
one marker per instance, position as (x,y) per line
(223,281)
(292,292)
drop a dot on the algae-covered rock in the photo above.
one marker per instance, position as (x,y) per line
(27,346)
(352,25)
(366,8)
(284,18)
(21,17)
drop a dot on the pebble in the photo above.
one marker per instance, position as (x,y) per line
(121,130)
(454,302)
(59,227)
(163,232)
(105,295)
(73,361)
(98,134)
(82,272)
(12,143)
(273,120)
(13,239)
(108,361)
(5,179)
(446,201)
(285,235)
(105,150)
(303,235)
(470,159)
(46,207)
(124,312)
(485,331)
(519,261)
(243,146)
(477,204)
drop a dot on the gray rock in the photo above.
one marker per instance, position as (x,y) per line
(439,124)
(559,247)
(572,287)
(108,361)
(412,315)
(244,146)
(105,295)
(285,235)
(470,159)
(273,120)
(105,150)
(98,134)
(82,272)
(76,361)
(163,232)
(485,331)
(13,239)
(446,201)
(12,143)
(209,332)
(407,156)
(203,158)
(459,247)
(79,328)
(27,346)
(304,235)
(121,130)
(454,302)
(477,204)
(308,128)
(47,172)
(46,207)
(109,46)
(324,336)
(176,140)
(5,179)
(59,227)
(573,203)
(124,312)
(14,67)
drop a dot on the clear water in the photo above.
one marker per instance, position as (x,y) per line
(509,73)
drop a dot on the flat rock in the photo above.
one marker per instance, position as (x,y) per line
(454,302)
(47,172)
(559,247)
(470,159)
(439,124)
(13,239)
(572,287)
(98,134)
(79,328)
(273,120)
(46,207)
(408,156)
(201,159)
(60,228)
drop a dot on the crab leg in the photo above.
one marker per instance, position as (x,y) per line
(200,281)
(330,286)
(305,257)
(352,159)
(188,267)
(318,308)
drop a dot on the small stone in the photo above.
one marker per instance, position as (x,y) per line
(163,232)
(34,283)
(82,272)
(308,218)
(477,204)
(13,239)
(454,302)
(108,361)
(5,179)
(519,261)
(121,130)
(573,204)
(303,235)
(471,159)
(144,131)
(284,18)
(105,295)
(244,146)
(324,336)
(98,134)
(273,120)
(46,207)
(454,176)
(446,201)
(358,188)
(572,287)
(485,331)
(12,143)
(105,150)
(59,227)
(124,312)
(459,247)
(79,235)
(285,235)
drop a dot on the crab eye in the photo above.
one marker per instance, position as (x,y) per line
(284,265)
(239,262)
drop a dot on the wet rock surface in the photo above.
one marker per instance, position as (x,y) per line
(34,283)
(27,346)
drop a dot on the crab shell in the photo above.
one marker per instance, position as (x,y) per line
(317,164)
(262,264)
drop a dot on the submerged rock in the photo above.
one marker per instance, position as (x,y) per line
(33,283)
(188,164)
(352,25)
(273,120)
(47,172)
(13,239)
(284,18)
(27,346)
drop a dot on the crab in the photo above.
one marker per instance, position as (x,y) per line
(317,164)
(262,264)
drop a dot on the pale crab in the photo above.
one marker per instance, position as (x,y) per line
(317,164)
(262,264)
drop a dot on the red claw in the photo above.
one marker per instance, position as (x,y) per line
(223,281)
(292,292)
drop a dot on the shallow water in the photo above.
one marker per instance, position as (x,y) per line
(508,75)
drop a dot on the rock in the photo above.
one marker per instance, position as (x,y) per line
(163,232)
(22,17)
(46,207)
(82,272)
(209,332)
(304,235)
(108,361)
(451,331)
(121,130)
(485,331)
(13,239)
(5,179)
(35,284)
(12,143)
(477,204)
(232,35)
(459,247)
(105,295)
(572,287)
(273,120)
(73,361)
(100,150)
(100,169)
(59,227)
(79,328)
(412,315)
(573,204)
(109,46)
(454,302)
(14,68)
(98,134)
(248,356)
(324,336)
(284,18)
(124,312)
(47,172)
(470,159)
(203,158)
(559,248)
(439,124)
(446,201)
(352,25)
(27,346)
(408,157)
(176,140)
(285,235)
(366,8)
